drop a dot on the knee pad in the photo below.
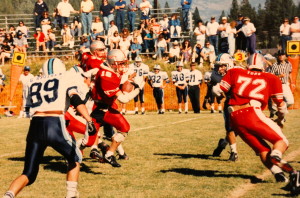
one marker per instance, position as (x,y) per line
(119,137)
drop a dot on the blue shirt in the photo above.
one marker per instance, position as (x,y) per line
(118,3)
(136,46)
(174,22)
(186,6)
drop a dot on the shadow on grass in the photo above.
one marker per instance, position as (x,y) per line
(58,164)
(283,195)
(212,173)
(186,156)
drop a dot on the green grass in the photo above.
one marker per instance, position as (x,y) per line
(170,156)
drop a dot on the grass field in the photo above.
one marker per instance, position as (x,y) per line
(170,156)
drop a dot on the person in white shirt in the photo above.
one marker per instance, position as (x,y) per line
(231,31)
(114,40)
(164,23)
(223,35)
(211,32)
(208,54)
(23,28)
(86,8)
(160,46)
(174,52)
(124,45)
(180,79)
(199,32)
(249,31)
(284,31)
(65,9)
(67,37)
(295,29)
(195,80)
(145,7)
(98,26)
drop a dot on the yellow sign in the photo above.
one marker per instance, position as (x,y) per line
(239,56)
(18,58)
(293,47)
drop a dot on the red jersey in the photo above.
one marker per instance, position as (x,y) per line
(106,87)
(246,85)
(90,61)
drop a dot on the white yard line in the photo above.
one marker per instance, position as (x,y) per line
(9,154)
(241,190)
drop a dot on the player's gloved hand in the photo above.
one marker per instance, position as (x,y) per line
(136,86)
(91,128)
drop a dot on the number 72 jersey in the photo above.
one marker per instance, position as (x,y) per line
(246,85)
(51,93)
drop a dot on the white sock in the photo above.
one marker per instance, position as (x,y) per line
(162,110)
(94,147)
(9,194)
(276,152)
(220,107)
(109,153)
(136,109)
(123,110)
(233,148)
(143,109)
(275,169)
(212,107)
(179,110)
(120,149)
(71,189)
(186,107)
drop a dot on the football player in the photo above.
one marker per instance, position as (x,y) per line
(158,81)
(47,97)
(180,79)
(141,71)
(250,90)
(105,93)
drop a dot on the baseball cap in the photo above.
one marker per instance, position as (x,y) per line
(224,18)
(246,19)
(240,15)
(175,42)
(38,29)
(280,52)
(26,68)
(212,17)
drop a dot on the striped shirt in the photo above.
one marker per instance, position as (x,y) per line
(282,68)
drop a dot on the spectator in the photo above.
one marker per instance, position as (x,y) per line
(199,32)
(125,32)
(2,35)
(175,26)
(120,14)
(186,51)
(86,8)
(45,23)
(39,8)
(174,53)
(137,34)
(186,5)
(65,9)
(241,40)
(10,39)
(295,29)
(196,57)
(84,45)
(50,41)
(211,31)
(195,80)
(67,37)
(12,30)
(249,31)
(223,35)
(76,28)
(208,54)
(135,49)
(112,29)
(284,31)
(6,51)
(143,32)
(164,23)
(114,40)
(23,29)
(149,40)
(98,26)
(167,37)
(20,43)
(231,31)
(107,10)
(124,45)
(160,47)
(145,7)
(56,19)
(40,39)
(132,9)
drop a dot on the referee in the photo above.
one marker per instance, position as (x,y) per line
(283,69)
(195,79)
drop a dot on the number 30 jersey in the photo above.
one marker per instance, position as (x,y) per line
(246,85)
(51,93)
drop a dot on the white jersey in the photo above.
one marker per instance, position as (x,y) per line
(25,79)
(195,77)
(158,79)
(51,93)
(141,72)
(180,77)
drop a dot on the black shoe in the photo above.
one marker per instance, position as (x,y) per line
(186,112)
(286,167)
(220,148)
(103,147)
(212,111)
(136,112)
(220,111)
(143,112)
(280,177)
(233,157)
(112,161)
(123,157)
(204,104)
(95,154)
(294,184)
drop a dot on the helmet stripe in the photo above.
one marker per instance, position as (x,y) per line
(50,66)
(254,59)
(76,69)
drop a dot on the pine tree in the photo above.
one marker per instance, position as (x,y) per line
(167,10)
(234,10)
(222,15)
(196,16)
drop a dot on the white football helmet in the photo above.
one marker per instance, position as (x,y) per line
(117,60)
(98,49)
(138,61)
(53,66)
(225,58)
(256,61)
(156,67)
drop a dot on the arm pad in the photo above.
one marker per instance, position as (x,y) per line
(75,100)
(126,97)
(283,109)
(217,90)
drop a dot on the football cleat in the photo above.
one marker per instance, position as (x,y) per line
(212,111)
(123,157)
(103,147)
(221,146)
(285,166)
(95,154)
(294,184)
(220,111)
(280,177)
(143,112)
(204,104)
(112,161)
(136,112)
(233,157)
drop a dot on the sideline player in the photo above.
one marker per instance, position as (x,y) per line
(141,71)
(250,90)
(195,80)
(158,81)
(180,79)
(47,96)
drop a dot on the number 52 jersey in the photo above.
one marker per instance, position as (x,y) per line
(51,93)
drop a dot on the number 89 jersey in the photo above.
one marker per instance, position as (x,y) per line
(51,93)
